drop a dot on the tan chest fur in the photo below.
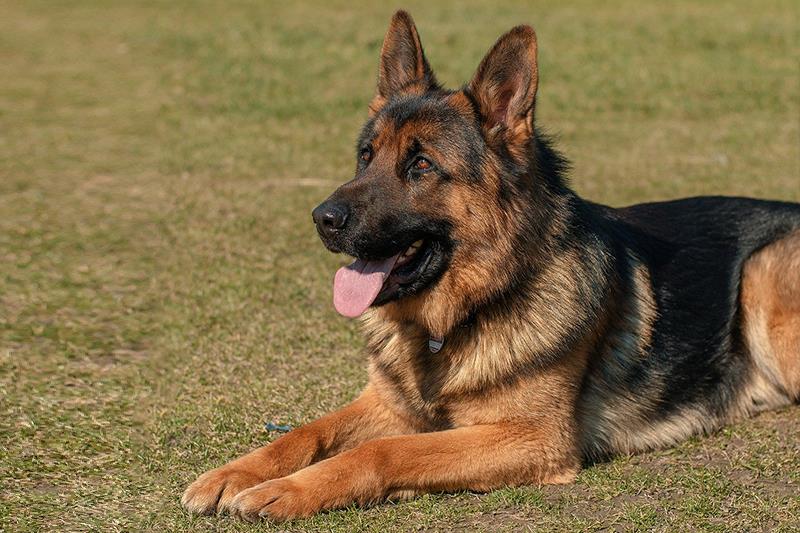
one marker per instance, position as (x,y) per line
(483,374)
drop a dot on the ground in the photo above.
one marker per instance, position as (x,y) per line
(163,293)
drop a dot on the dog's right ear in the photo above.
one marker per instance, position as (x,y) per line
(404,68)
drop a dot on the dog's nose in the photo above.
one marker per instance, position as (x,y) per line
(330,217)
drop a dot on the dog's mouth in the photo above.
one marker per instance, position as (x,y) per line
(374,282)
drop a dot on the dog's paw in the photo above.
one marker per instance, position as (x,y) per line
(277,499)
(215,490)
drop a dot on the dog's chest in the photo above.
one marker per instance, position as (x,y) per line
(467,382)
(411,380)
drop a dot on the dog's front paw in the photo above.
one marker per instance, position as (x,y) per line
(277,499)
(214,490)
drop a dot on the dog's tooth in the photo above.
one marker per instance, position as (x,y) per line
(411,250)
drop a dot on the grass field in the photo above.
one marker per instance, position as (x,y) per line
(163,292)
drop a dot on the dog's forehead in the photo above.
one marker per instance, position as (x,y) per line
(430,117)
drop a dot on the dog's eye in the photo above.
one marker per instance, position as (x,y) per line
(422,165)
(365,154)
(419,167)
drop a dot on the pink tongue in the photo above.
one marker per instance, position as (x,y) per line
(356,286)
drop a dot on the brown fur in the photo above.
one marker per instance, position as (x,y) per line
(771,308)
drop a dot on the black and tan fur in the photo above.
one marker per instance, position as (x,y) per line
(572,331)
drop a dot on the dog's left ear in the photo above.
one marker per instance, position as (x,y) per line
(506,82)
(403,64)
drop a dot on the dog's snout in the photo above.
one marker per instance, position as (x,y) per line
(330,217)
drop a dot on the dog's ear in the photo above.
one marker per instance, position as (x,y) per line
(403,64)
(506,81)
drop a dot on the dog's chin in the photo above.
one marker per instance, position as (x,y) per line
(415,273)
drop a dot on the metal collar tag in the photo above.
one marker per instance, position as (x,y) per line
(435,344)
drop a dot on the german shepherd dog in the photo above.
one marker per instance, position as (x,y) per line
(514,330)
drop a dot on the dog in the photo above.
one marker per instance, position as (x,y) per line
(515,331)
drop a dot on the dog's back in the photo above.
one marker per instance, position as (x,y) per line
(710,328)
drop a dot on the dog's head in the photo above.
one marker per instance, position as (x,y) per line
(432,213)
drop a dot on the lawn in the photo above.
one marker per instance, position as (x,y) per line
(163,293)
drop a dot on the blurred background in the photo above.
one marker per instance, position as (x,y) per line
(163,293)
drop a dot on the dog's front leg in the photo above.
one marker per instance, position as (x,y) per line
(477,458)
(366,418)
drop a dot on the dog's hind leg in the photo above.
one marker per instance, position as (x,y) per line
(770,302)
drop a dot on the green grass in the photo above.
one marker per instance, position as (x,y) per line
(163,293)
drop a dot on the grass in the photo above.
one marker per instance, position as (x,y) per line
(163,293)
